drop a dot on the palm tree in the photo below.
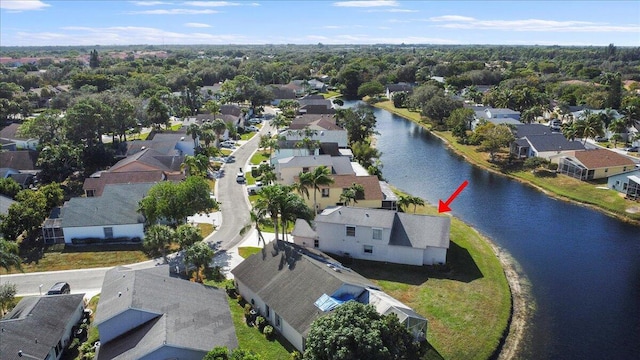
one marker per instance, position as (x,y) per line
(257,217)
(199,255)
(9,255)
(570,130)
(403,202)
(415,201)
(591,127)
(218,126)
(293,207)
(269,200)
(207,135)
(195,132)
(320,176)
(196,165)
(617,127)
(347,196)
(158,238)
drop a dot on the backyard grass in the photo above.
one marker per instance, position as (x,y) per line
(330,94)
(250,338)
(205,229)
(70,258)
(467,301)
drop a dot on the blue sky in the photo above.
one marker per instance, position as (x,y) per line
(116,22)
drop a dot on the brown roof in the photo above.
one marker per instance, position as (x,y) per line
(97,184)
(325,121)
(19,160)
(11,132)
(600,158)
(370,183)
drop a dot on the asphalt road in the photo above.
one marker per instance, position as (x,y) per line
(234,206)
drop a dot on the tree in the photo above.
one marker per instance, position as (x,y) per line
(438,108)
(195,132)
(269,200)
(86,121)
(173,202)
(319,176)
(157,113)
(495,139)
(25,215)
(399,99)
(9,255)
(357,331)
(94,61)
(415,201)
(293,207)
(370,88)
(199,255)
(8,293)
(59,161)
(196,165)
(359,122)
(364,153)
(158,238)
(458,122)
(589,127)
(187,235)
(46,127)
(9,187)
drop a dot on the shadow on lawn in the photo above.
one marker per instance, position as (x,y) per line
(460,267)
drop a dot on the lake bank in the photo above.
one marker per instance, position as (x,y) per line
(567,189)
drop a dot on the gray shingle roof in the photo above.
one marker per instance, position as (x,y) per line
(523,130)
(553,142)
(19,160)
(152,159)
(303,229)
(189,315)
(118,205)
(290,279)
(36,317)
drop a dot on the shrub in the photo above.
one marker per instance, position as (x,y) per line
(296,356)
(239,298)
(268,332)
(553,166)
(261,322)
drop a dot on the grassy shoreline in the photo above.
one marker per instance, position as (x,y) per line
(561,187)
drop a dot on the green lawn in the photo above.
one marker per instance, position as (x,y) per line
(78,257)
(260,156)
(330,94)
(245,252)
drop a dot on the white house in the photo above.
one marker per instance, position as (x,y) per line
(111,217)
(621,182)
(291,286)
(11,133)
(377,235)
(323,136)
(147,314)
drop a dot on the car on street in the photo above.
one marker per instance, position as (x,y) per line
(59,288)
(240,179)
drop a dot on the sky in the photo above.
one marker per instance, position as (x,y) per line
(118,22)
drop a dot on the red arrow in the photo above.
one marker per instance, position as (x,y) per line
(444,206)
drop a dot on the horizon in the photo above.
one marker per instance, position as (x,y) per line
(40,23)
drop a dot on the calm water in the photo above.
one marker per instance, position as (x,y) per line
(584,266)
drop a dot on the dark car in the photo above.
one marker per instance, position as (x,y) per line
(59,288)
(632,149)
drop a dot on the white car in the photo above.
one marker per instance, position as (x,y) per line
(251,128)
(228,144)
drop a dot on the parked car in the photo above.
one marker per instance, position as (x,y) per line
(255,121)
(59,288)
(632,149)
(255,188)
(229,144)
(252,128)
(601,139)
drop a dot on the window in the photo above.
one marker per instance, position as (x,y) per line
(108,232)
(325,192)
(368,249)
(316,243)
(377,234)
(277,321)
(267,311)
(305,169)
(606,170)
(351,231)
(91,193)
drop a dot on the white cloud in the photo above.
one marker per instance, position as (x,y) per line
(149,3)
(22,5)
(197,25)
(393,10)
(366,3)
(173,12)
(211,3)
(123,35)
(366,39)
(531,25)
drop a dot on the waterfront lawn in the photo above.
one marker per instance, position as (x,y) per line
(467,302)
(561,185)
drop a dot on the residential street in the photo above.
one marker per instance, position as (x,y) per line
(234,207)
